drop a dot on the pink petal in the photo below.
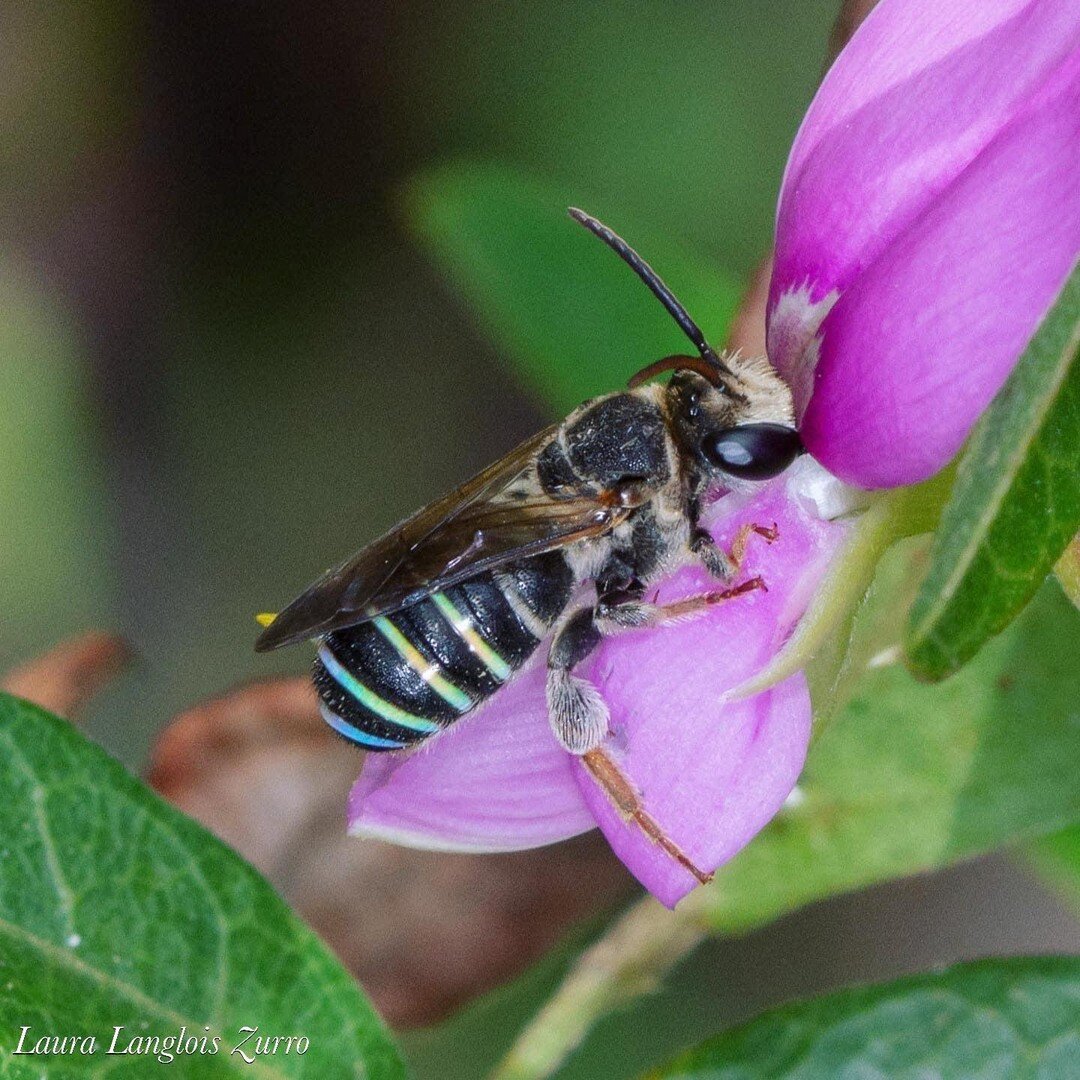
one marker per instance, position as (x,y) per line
(916,348)
(712,775)
(495,781)
(918,93)
(929,214)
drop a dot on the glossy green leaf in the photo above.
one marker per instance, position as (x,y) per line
(908,777)
(996,1020)
(568,313)
(116,910)
(1015,504)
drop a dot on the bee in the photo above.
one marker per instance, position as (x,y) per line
(429,621)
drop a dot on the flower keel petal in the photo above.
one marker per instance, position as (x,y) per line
(496,781)
(711,798)
(711,774)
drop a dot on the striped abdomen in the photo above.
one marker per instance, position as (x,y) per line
(391,682)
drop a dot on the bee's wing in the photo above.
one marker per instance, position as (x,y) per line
(480,526)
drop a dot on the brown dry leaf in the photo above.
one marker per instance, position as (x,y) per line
(422,931)
(64,679)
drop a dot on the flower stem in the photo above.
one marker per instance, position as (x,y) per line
(627,962)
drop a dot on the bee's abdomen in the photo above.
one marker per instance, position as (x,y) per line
(392,682)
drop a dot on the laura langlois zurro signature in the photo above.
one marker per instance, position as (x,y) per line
(250,1044)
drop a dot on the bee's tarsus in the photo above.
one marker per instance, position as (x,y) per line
(720,595)
(769,533)
(627,801)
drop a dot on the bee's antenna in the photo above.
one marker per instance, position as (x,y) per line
(656,286)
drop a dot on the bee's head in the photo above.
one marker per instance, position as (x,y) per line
(737,423)
(732,416)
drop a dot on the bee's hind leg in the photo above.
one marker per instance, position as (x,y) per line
(578,714)
(579,719)
(627,801)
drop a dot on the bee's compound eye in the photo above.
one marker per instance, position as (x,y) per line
(753,451)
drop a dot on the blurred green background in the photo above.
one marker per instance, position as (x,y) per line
(224,364)
(228,358)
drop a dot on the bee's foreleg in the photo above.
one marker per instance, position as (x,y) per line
(720,563)
(578,714)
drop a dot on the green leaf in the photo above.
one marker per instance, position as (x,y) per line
(1011,1019)
(1015,505)
(116,909)
(909,777)
(1068,570)
(571,316)
(1057,860)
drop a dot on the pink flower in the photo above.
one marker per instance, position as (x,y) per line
(712,775)
(929,215)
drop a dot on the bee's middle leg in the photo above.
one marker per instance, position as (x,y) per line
(578,714)
(614,616)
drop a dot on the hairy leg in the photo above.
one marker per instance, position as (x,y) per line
(578,715)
